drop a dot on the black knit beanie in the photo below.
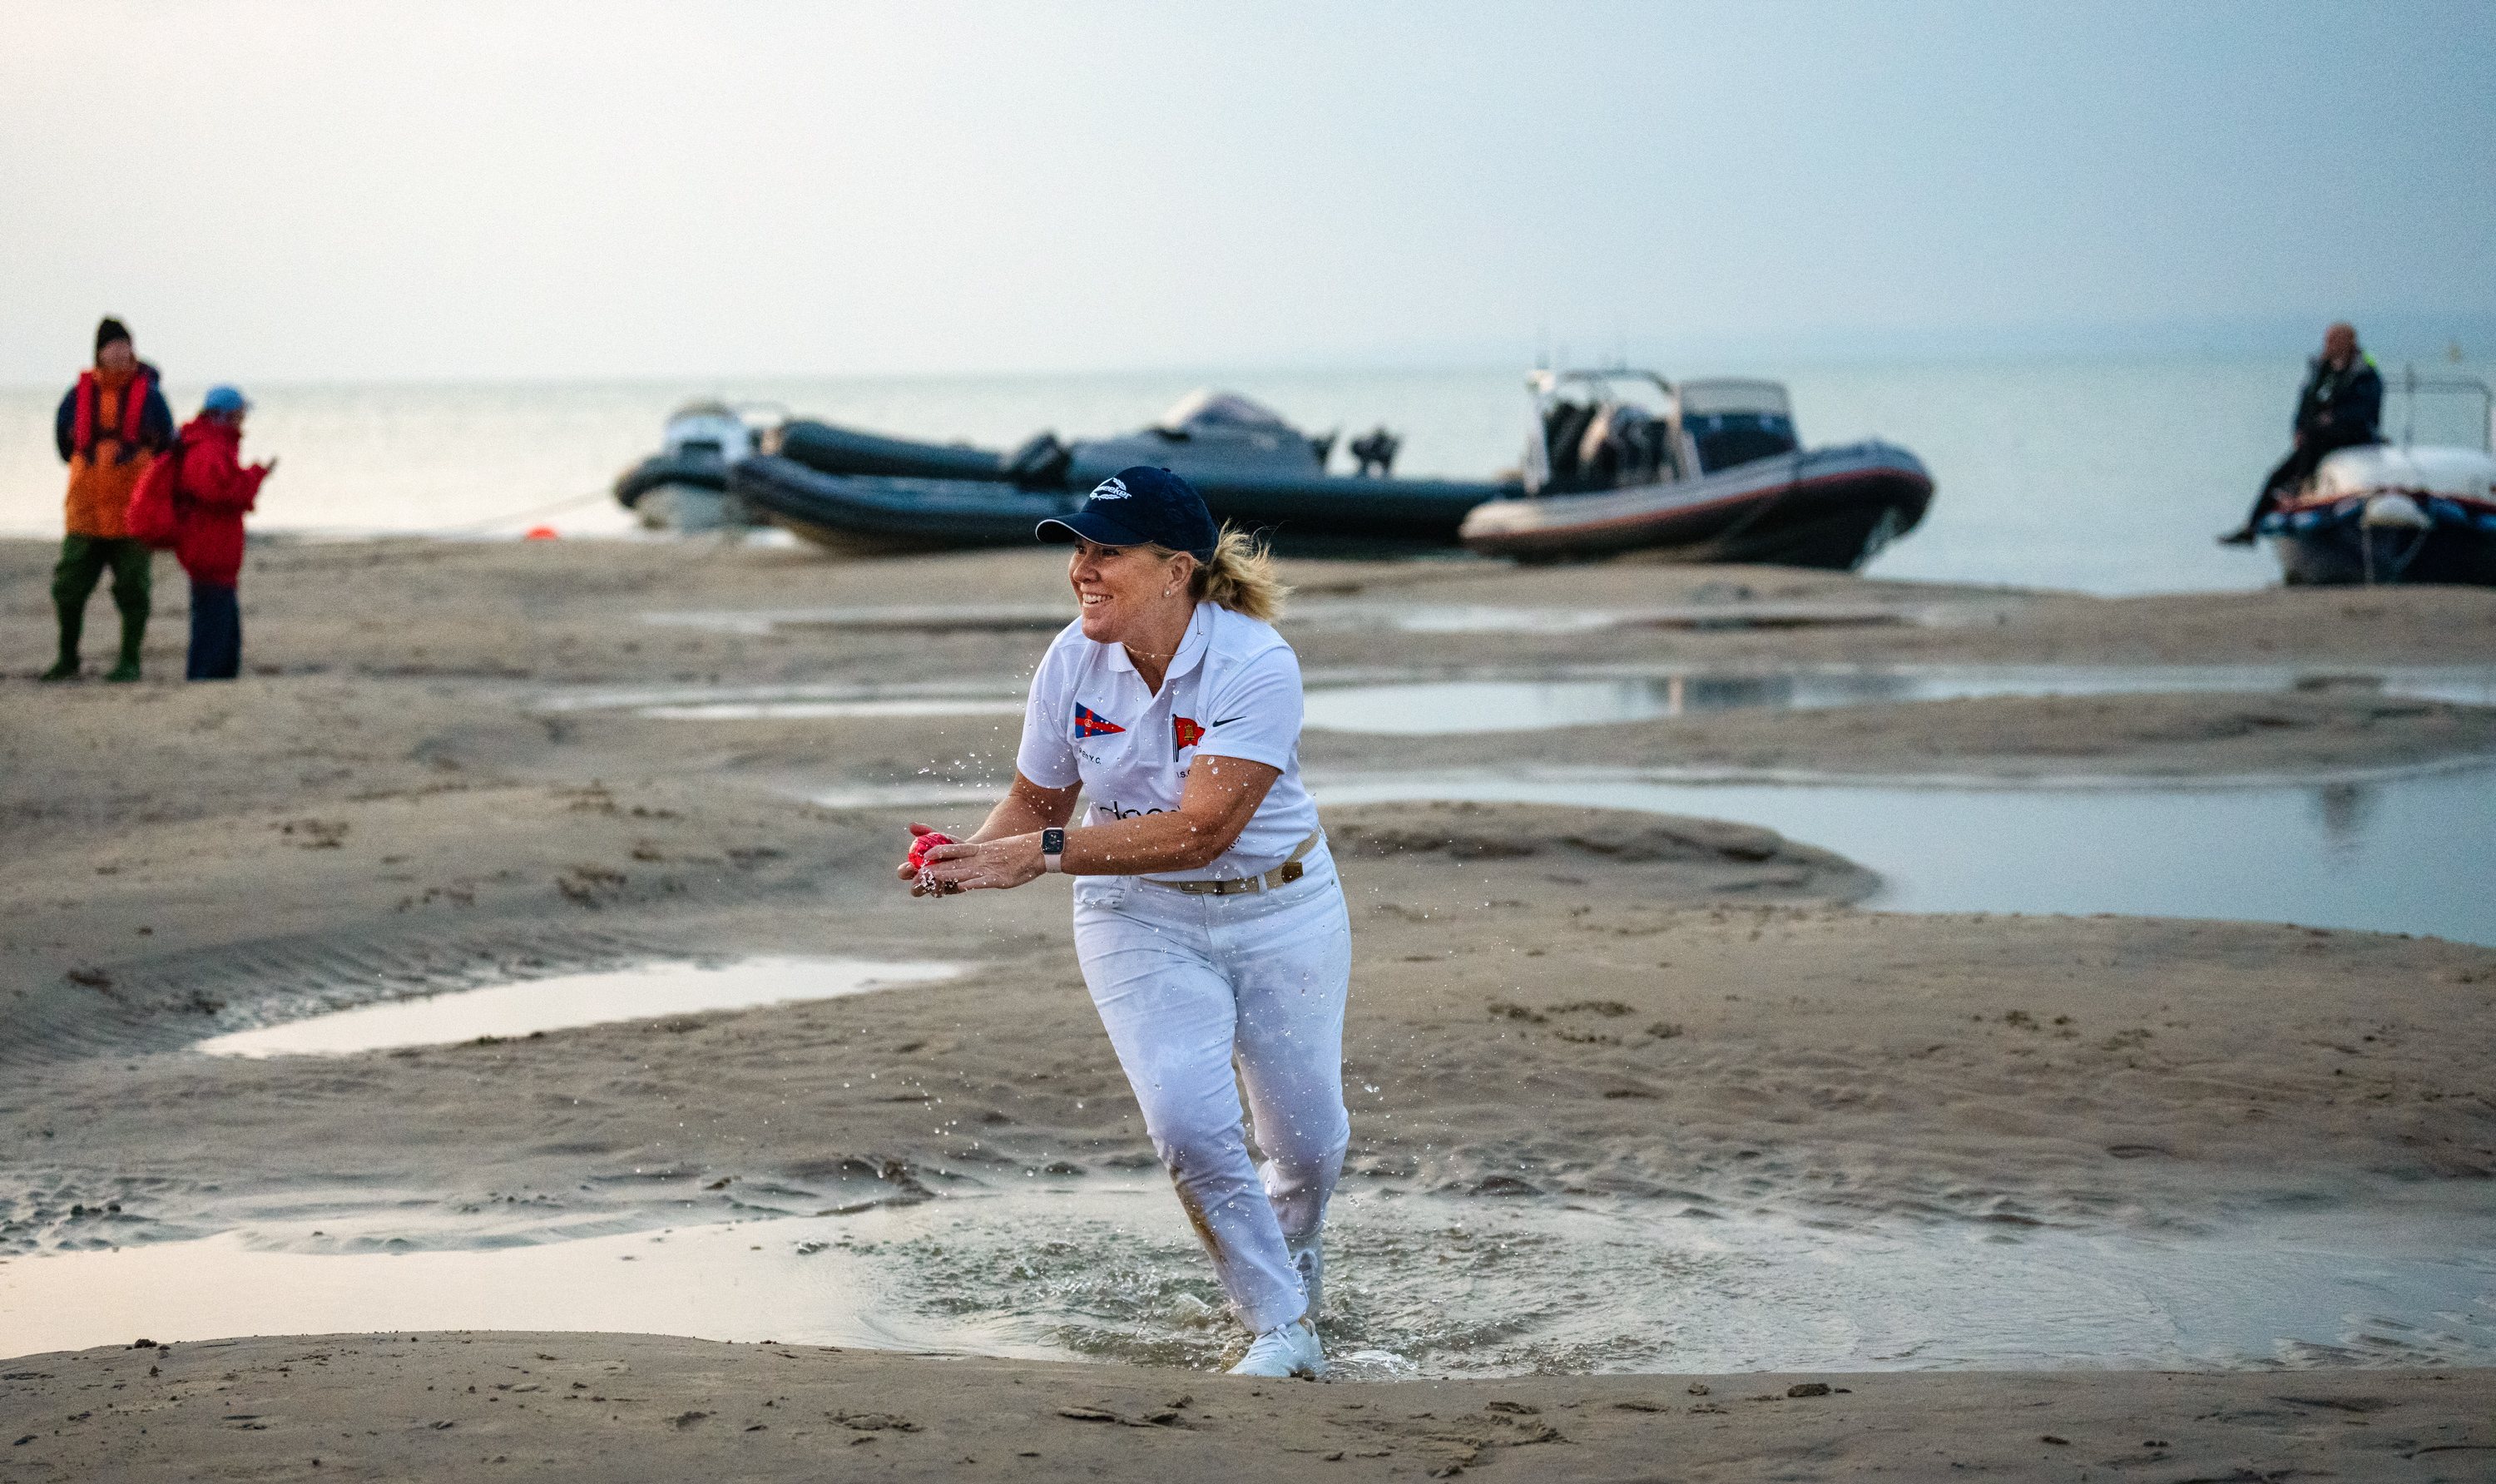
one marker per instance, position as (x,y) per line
(110,330)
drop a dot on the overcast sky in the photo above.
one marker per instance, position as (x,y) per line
(298,192)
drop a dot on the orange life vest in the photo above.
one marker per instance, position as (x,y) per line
(88,427)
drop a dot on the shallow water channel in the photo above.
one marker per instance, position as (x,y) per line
(505,1010)
(1417,1286)
(1399,701)
(1104,1266)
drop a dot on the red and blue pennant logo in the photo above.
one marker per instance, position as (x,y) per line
(1185,733)
(1091,724)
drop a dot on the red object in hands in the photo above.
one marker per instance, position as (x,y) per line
(919,848)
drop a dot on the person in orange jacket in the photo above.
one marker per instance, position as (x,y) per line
(111,427)
(211,495)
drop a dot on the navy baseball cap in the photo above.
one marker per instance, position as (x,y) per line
(1139,505)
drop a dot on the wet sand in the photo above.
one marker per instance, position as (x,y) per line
(638,1407)
(1552,1001)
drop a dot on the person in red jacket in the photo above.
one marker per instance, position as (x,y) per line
(211,496)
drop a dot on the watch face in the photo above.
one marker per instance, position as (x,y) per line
(1052,842)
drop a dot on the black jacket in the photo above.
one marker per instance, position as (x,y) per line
(2340,407)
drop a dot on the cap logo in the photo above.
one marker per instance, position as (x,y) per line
(1110,488)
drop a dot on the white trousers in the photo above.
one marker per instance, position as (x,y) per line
(1187,986)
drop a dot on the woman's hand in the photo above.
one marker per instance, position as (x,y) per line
(1223,793)
(986,864)
(1005,852)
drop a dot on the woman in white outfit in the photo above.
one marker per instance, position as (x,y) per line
(1207,918)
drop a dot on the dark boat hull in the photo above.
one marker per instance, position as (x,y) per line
(1289,507)
(894,514)
(2327,545)
(1826,507)
(829,449)
(899,513)
(1425,512)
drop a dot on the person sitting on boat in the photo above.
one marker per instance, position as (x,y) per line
(2340,408)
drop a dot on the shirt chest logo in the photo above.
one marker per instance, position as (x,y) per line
(1091,724)
(1184,732)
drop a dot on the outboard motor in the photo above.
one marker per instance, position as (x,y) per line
(1376,450)
(1041,463)
(684,485)
(1562,432)
(1623,444)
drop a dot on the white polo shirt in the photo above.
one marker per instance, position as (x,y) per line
(1233,691)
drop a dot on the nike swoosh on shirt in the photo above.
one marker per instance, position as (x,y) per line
(1227,721)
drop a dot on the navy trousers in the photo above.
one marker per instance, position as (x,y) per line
(216,632)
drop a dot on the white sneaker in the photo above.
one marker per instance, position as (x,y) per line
(1286,1350)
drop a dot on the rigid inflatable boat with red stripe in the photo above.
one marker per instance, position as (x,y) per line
(1703,471)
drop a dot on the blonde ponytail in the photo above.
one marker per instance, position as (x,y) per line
(1241,578)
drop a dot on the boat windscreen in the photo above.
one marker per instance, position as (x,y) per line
(1733,422)
(1730,394)
(1205,408)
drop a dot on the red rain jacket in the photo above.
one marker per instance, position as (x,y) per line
(214,491)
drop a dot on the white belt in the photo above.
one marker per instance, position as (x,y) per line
(1229,886)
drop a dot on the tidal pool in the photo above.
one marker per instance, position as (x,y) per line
(1408,707)
(573,999)
(2397,851)
(2403,852)
(1419,1285)
(683,703)
(1727,610)
(810,710)
(1397,701)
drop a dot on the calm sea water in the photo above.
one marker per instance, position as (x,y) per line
(2107,477)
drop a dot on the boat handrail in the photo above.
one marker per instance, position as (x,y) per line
(1544,383)
(2411,383)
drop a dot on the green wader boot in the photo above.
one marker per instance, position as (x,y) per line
(133,632)
(133,584)
(85,560)
(82,564)
(72,622)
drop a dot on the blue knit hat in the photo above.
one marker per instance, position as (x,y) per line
(225,399)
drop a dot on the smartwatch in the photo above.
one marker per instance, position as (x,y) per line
(1052,849)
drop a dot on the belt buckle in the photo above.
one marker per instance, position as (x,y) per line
(1290,873)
